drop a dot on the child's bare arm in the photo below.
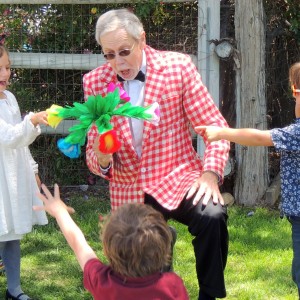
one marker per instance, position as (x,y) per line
(242,136)
(74,236)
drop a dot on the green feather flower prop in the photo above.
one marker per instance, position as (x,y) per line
(98,110)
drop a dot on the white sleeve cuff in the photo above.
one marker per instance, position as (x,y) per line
(105,170)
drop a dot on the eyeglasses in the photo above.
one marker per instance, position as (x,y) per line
(295,91)
(123,53)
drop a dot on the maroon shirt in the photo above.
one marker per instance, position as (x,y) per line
(101,281)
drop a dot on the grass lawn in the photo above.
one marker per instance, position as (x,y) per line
(258,264)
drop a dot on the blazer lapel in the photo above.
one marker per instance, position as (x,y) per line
(154,89)
(155,84)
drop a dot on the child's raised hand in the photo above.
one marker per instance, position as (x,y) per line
(212,133)
(39,118)
(53,205)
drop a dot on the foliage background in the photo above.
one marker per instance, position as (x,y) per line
(70,29)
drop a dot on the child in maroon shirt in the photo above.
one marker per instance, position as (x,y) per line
(137,242)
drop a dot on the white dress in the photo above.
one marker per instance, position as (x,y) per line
(18,185)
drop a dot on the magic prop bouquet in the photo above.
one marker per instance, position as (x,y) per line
(98,110)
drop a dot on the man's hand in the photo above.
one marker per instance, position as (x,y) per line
(103,159)
(206,186)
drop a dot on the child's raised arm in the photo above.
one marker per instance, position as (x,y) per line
(74,236)
(242,136)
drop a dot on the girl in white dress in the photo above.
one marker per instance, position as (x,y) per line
(18,179)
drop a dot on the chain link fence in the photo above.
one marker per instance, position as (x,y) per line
(69,29)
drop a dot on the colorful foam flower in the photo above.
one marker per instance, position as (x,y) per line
(154,113)
(149,113)
(98,110)
(70,150)
(123,95)
(94,10)
(53,118)
(108,142)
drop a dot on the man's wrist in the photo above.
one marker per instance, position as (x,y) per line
(104,170)
(219,179)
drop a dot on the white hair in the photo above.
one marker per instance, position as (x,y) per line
(119,19)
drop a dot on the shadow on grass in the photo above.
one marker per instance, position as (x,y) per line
(264,230)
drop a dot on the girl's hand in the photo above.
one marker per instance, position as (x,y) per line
(39,118)
(212,133)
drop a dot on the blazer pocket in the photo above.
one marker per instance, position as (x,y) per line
(171,109)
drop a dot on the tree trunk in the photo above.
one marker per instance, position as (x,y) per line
(252,162)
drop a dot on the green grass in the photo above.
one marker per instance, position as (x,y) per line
(259,261)
(258,264)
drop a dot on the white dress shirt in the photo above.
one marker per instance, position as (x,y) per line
(136,89)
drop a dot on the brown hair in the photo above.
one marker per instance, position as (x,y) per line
(294,75)
(137,240)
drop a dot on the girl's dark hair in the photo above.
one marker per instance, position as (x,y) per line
(137,240)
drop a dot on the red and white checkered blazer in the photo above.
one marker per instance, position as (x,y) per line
(169,164)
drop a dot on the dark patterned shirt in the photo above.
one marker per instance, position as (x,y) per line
(287,141)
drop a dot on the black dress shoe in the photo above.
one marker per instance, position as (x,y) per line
(8,296)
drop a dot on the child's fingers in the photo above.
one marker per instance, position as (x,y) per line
(41,196)
(70,210)
(48,196)
(200,129)
(38,208)
(56,191)
(45,122)
(46,191)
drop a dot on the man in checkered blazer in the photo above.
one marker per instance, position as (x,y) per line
(158,165)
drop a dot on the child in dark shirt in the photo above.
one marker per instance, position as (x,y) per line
(137,242)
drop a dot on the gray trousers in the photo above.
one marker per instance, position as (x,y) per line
(10,252)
